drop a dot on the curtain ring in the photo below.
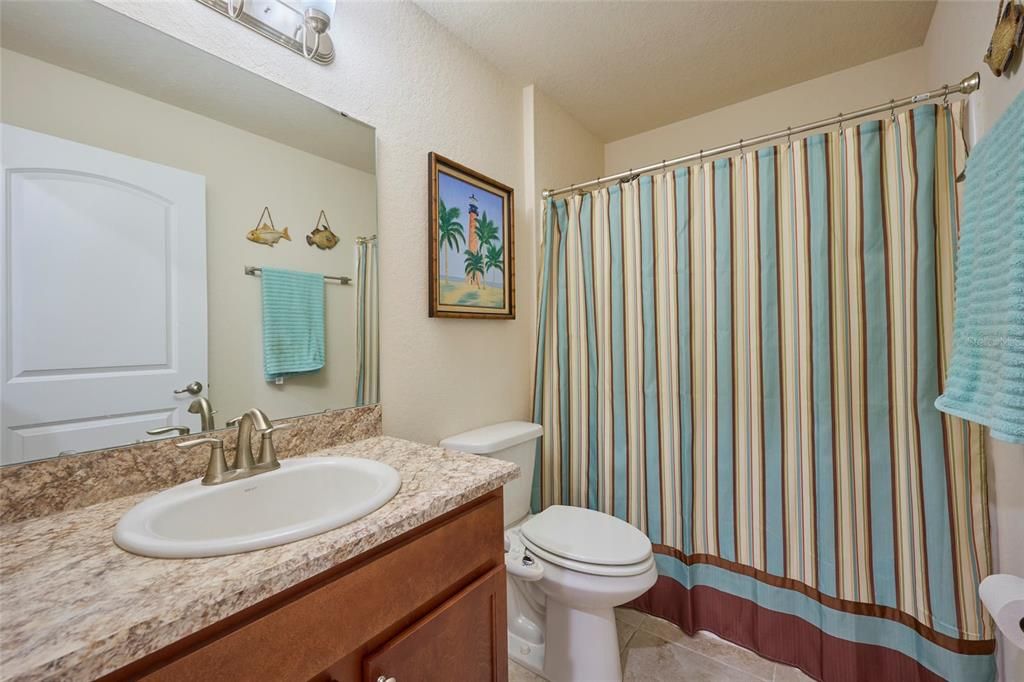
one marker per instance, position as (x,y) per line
(840,123)
(664,164)
(701,159)
(892,110)
(789,135)
(945,95)
(741,146)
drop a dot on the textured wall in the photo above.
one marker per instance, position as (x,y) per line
(901,74)
(956,43)
(557,151)
(398,70)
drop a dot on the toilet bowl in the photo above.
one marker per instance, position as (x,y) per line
(568,568)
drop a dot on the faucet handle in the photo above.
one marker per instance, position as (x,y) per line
(189,444)
(217,468)
(233,422)
(181,430)
(267,454)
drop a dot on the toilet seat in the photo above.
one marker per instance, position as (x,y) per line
(587,541)
(611,571)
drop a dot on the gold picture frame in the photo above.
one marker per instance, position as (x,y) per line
(472,243)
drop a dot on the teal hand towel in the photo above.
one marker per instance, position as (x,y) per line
(985,382)
(293,323)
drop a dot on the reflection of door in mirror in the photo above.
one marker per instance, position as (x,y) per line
(104,281)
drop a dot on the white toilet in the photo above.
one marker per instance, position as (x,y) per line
(568,568)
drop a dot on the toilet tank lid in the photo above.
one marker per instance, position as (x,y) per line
(490,439)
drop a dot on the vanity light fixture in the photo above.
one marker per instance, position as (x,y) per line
(303,26)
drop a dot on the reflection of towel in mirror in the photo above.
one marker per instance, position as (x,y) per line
(985,381)
(293,323)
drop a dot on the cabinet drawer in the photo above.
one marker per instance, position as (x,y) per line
(463,639)
(331,617)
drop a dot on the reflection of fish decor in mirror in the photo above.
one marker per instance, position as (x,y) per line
(321,237)
(1006,37)
(266,233)
(472,263)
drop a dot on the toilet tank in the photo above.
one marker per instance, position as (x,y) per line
(514,442)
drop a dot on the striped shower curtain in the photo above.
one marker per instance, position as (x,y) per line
(740,358)
(367,339)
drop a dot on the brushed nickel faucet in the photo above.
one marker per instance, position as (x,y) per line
(244,466)
(204,409)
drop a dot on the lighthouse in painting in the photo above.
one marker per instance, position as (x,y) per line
(473,238)
(470,234)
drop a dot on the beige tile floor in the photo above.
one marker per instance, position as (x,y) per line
(654,650)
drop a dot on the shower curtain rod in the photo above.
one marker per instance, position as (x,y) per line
(965,87)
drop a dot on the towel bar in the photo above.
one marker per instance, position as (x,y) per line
(253,270)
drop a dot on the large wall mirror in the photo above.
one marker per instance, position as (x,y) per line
(135,169)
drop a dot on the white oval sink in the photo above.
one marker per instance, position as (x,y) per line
(305,497)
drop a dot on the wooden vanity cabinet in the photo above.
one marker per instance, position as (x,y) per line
(427,606)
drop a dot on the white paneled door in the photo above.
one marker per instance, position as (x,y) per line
(103,292)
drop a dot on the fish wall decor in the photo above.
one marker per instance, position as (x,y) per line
(322,237)
(266,233)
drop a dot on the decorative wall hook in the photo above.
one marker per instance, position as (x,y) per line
(322,237)
(265,233)
(1006,37)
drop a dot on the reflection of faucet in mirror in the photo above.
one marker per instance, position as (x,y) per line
(181,430)
(204,409)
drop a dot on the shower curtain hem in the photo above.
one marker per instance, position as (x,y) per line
(789,639)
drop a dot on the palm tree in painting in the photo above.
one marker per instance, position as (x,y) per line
(487,233)
(450,231)
(494,259)
(474,266)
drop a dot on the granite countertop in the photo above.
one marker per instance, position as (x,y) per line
(73,605)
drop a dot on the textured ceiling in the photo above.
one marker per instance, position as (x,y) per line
(622,67)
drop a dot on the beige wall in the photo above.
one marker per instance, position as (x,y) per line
(424,91)
(243,173)
(557,151)
(900,74)
(955,46)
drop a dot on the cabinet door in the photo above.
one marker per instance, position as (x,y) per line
(463,639)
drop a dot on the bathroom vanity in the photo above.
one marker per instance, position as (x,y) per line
(431,600)
(414,590)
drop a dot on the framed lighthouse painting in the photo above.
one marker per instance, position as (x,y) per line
(472,262)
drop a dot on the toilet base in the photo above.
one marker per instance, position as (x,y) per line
(582,645)
(525,653)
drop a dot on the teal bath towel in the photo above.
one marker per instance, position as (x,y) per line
(293,323)
(985,383)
